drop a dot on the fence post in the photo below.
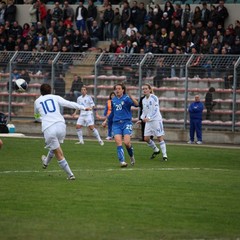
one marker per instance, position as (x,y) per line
(186,92)
(234,93)
(10,87)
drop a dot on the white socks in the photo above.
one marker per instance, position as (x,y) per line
(80,134)
(64,165)
(162,144)
(49,157)
(163,148)
(152,145)
(96,134)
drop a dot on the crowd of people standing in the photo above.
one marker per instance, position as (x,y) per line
(153,29)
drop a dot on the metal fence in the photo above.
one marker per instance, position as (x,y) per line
(176,80)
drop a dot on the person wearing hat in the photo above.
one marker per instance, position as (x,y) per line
(135,48)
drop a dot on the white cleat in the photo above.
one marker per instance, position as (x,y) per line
(132,160)
(199,142)
(190,142)
(108,138)
(123,164)
(80,142)
(44,165)
(101,142)
(72,177)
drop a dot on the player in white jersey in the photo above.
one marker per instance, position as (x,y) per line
(152,117)
(86,118)
(47,106)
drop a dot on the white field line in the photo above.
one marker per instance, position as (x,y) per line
(209,145)
(119,169)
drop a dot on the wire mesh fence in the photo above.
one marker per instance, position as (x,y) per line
(176,79)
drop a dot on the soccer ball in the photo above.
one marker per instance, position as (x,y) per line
(21,85)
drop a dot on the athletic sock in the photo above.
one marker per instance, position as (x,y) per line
(96,134)
(80,134)
(64,165)
(130,151)
(120,153)
(152,145)
(49,157)
(163,148)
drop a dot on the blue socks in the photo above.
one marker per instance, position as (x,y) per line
(130,151)
(120,154)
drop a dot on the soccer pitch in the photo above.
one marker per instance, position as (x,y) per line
(195,195)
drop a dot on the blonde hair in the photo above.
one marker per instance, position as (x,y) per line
(150,87)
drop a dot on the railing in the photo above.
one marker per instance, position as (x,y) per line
(176,80)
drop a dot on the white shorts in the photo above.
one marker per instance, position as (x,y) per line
(85,120)
(54,135)
(154,128)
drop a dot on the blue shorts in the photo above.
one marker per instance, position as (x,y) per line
(122,128)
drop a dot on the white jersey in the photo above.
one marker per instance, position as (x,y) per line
(48,106)
(87,102)
(151,108)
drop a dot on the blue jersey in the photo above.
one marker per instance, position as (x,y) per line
(121,108)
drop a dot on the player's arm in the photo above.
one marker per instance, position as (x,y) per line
(75,113)
(69,104)
(141,118)
(37,114)
(135,101)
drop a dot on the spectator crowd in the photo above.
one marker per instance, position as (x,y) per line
(131,29)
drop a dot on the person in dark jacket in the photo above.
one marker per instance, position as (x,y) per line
(3,125)
(81,16)
(235,48)
(222,13)
(141,16)
(25,75)
(75,90)
(209,103)
(126,15)
(92,14)
(59,86)
(108,19)
(10,12)
(205,14)
(195,111)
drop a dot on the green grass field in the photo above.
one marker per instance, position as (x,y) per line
(195,195)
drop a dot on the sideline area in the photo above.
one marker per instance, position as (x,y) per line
(134,140)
